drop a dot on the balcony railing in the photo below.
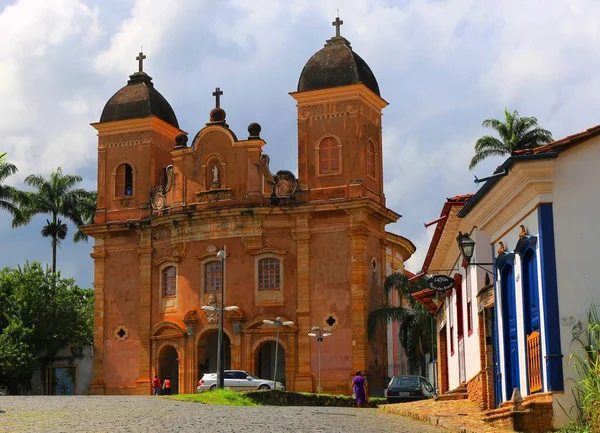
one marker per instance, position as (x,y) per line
(534,365)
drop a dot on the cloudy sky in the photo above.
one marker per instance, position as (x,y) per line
(443,65)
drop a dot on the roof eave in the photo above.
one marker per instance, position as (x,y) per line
(489,185)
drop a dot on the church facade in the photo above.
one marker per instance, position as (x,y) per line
(311,249)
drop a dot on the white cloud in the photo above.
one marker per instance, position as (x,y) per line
(34,125)
(444,66)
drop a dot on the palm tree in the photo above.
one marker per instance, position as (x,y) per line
(416,322)
(8,194)
(516,133)
(58,197)
(88,211)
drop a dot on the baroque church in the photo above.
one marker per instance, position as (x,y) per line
(311,249)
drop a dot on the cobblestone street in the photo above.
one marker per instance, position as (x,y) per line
(148,414)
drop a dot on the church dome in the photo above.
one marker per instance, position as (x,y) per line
(336,65)
(137,100)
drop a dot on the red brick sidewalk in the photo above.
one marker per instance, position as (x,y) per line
(460,415)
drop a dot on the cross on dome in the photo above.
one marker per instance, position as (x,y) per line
(140,58)
(337,24)
(217,94)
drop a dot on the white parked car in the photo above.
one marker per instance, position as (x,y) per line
(237,380)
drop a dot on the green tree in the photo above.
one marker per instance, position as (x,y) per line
(416,322)
(88,211)
(516,133)
(40,313)
(8,194)
(58,197)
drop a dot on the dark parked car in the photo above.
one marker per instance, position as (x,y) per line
(409,388)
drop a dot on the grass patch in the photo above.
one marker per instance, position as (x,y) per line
(223,397)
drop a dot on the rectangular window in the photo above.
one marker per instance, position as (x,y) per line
(269,274)
(469,305)
(169,282)
(213,276)
(459,306)
(469,318)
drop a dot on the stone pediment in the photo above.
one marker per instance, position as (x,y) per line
(168,329)
(257,326)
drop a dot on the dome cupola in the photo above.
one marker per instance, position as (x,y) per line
(336,65)
(137,100)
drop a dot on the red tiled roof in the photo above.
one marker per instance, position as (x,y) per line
(425,297)
(460,198)
(563,143)
(408,273)
(457,200)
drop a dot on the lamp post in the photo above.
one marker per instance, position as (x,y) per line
(467,248)
(277,322)
(222,254)
(319,334)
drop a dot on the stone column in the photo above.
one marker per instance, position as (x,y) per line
(359,294)
(248,361)
(303,381)
(143,384)
(99,255)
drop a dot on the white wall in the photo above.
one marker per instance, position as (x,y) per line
(577,234)
(83,366)
(473,280)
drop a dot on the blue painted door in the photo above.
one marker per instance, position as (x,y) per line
(531,304)
(530,290)
(511,344)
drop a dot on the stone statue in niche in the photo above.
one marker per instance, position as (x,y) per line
(216,182)
(212,316)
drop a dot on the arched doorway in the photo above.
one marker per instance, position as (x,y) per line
(265,362)
(207,352)
(168,363)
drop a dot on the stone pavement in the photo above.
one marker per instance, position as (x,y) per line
(460,416)
(154,414)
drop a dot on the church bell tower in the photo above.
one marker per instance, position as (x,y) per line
(339,124)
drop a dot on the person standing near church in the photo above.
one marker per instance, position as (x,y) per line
(156,385)
(359,386)
(167,385)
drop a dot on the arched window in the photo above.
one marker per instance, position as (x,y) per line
(124,181)
(329,156)
(269,274)
(162,177)
(370,159)
(169,281)
(213,276)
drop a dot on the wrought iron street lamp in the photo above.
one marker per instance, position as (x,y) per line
(277,322)
(222,254)
(318,333)
(467,248)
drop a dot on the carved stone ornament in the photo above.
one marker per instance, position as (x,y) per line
(212,316)
(502,248)
(523,232)
(284,182)
(214,195)
(160,192)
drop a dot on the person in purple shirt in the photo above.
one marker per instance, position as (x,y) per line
(360,389)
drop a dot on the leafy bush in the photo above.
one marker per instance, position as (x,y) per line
(587,366)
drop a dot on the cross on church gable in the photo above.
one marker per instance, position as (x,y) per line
(140,58)
(217,94)
(337,24)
